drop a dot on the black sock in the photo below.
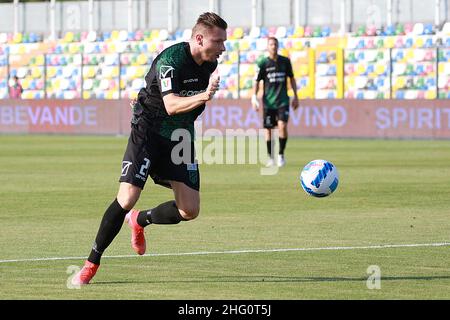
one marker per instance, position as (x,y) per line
(283,142)
(165,213)
(269,148)
(109,227)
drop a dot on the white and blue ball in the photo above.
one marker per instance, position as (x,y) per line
(319,178)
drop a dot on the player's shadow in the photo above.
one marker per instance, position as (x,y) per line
(275,279)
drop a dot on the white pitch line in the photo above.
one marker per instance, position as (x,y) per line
(382,246)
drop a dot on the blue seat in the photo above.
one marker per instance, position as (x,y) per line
(323,58)
(361,44)
(428,29)
(399,55)
(431,82)
(420,69)
(264,32)
(428,43)
(389,31)
(447,42)
(409,43)
(326,31)
(290,31)
(400,95)
(361,56)
(370,69)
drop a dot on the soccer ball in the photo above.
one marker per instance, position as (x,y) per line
(319,178)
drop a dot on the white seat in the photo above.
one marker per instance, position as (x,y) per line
(418,29)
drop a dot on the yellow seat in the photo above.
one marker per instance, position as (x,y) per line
(17,37)
(68,37)
(389,42)
(36,73)
(238,33)
(39,60)
(303,70)
(86,95)
(418,43)
(430,94)
(299,32)
(142,59)
(380,69)
(115,72)
(51,72)
(297,45)
(115,35)
(244,44)
(154,35)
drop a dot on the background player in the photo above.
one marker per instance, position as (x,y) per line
(274,71)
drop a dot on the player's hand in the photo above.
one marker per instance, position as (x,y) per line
(133,102)
(255,102)
(213,86)
(295,103)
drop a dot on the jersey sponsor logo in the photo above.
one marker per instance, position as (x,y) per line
(190,80)
(189,93)
(166,72)
(276,77)
(166,84)
(125,166)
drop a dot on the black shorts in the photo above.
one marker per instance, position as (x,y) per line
(149,154)
(271,116)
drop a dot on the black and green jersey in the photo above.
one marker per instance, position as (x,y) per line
(173,71)
(275,74)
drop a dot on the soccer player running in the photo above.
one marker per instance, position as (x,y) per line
(274,71)
(178,85)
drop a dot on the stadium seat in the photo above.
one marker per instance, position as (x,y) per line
(408,28)
(445,29)
(92,36)
(400,29)
(418,29)
(360,31)
(299,32)
(308,32)
(389,31)
(163,35)
(428,29)
(281,32)
(409,43)
(380,43)
(371,30)
(326,31)
(123,35)
(187,34)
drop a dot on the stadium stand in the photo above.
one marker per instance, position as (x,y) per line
(405,61)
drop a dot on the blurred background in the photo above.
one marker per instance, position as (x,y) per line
(366,49)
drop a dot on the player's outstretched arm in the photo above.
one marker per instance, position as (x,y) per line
(255,102)
(294,88)
(175,104)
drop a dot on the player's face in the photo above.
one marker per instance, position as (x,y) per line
(213,44)
(272,47)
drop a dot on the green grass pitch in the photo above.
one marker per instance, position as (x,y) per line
(54,190)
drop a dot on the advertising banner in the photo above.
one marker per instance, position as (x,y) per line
(313,118)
